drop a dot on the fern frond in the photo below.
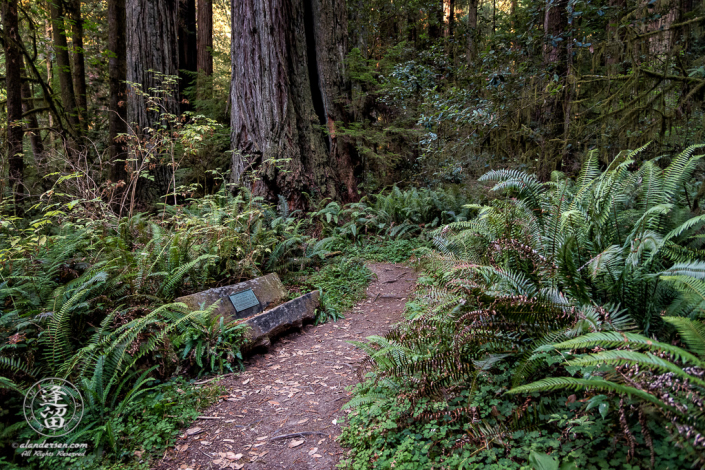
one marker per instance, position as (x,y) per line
(571,383)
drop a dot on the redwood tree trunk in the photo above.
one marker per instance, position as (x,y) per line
(63,64)
(287,78)
(205,36)
(117,70)
(151,47)
(556,114)
(471,49)
(13,85)
(79,63)
(188,50)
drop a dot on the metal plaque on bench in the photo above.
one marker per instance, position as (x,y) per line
(245,303)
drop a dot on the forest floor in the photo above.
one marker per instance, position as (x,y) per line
(284,410)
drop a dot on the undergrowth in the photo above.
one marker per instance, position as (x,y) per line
(90,297)
(562,326)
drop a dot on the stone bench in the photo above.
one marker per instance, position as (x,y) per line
(261,303)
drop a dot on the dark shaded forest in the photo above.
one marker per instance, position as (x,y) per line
(539,163)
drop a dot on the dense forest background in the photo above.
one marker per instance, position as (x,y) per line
(155,148)
(332,104)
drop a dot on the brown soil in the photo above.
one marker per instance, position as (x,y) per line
(298,386)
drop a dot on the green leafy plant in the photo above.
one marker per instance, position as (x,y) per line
(598,257)
(211,344)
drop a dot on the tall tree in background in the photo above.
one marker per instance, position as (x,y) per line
(205,46)
(555,21)
(471,48)
(30,114)
(79,62)
(117,71)
(612,43)
(435,19)
(151,52)
(151,47)
(188,50)
(13,84)
(451,17)
(287,76)
(63,64)
(205,36)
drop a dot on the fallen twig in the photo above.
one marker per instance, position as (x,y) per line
(211,379)
(297,434)
(209,417)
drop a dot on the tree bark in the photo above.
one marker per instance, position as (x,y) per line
(63,64)
(471,49)
(556,114)
(205,47)
(331,49)
(79,63)
(117,70)
(555,22)
(205,36)
(287,78)
(151,50)
(451,18)
(617,8)
(188,50)
(35,139)
(13,85)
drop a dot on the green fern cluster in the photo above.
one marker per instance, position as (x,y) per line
(398,214)
(565,264)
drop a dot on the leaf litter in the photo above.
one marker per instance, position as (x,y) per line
(295,389)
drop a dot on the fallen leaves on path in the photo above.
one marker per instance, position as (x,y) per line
(295,391)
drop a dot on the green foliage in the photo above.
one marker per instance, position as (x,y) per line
(211,345)
(446,102)
(391,251)
(342,284)
(398,214)
(89,299)
(140,431)
(571,265)
(666,377)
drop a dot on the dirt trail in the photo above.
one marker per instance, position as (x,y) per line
(298,386)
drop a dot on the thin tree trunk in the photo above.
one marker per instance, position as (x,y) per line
(613,47)
(13,85)
(117,70)
(151,50)
(63,65)
(50,73)
(205,46)
(188,50)
(471,49)
(79,63)
(28,105)
(555,22)
(451,18)
(514,21)
(556,117)
(286,78)
(205,36)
